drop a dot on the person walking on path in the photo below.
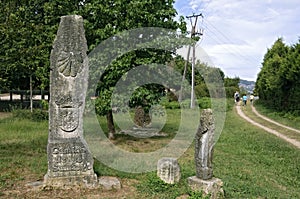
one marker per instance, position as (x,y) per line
(245,98)
(251,99)
(236,97)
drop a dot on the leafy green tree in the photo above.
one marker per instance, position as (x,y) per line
(278,81)
(111,17)
(28,28)
(292,81)
(271,83)
(231,86)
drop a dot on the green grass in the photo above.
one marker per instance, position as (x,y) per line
(255,164)
(290,133)
(250,162)
(23,154)
(285,118)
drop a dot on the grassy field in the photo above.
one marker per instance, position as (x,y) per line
(282,117)
(251,163)
(292,122)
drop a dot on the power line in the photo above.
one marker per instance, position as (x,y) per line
(221,41)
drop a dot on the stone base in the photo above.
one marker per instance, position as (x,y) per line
(85,181)
(212,187)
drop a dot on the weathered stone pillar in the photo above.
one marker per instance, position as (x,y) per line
(69,160)
(204,144)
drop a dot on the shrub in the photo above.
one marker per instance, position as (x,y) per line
(204,103)
(35,115)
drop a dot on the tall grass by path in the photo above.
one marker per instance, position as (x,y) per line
(288,132)
(285,118)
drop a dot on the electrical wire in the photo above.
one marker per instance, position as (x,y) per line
(222,39)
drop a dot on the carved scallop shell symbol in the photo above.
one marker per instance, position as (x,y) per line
(69,63)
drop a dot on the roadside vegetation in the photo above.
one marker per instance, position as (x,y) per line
(251,163)
(277,117)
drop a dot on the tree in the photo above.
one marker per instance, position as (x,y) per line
(271,80)
(28,29)
(117,16)
(231,86)
(278,81)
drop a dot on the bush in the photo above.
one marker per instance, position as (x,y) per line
(35,115)
(186,103)
(44,104)
(173,105)
(204,103)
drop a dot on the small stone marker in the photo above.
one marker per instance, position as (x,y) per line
(204,144)
(168,170)
(70,162)
(109,183)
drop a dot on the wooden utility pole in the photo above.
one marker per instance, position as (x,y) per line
(193,34)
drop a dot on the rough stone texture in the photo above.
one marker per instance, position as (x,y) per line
(69,159)
(212,187)
(204,144)
(168,170)
(109,183)
(141,119)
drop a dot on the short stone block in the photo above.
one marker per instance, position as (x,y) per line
(212,187)
(168,170)
(109,183)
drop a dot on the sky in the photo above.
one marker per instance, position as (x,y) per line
(237,33)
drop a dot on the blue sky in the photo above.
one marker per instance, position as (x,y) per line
(237,33)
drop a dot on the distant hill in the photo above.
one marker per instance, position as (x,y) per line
(247,85)
(246,82)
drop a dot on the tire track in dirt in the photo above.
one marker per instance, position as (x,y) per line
(276,133)
(272,121)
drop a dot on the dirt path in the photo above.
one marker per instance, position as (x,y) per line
(278,134)
(272,121)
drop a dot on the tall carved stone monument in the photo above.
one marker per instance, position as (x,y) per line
(204,143)
(204,147)
(69,160)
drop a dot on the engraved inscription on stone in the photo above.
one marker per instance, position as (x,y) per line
(69,157)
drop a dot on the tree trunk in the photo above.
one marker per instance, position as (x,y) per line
(111,125)
(31,97)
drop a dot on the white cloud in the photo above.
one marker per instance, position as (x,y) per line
(238,33)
